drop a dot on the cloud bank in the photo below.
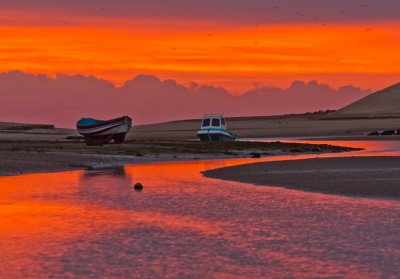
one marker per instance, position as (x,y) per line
(66,98)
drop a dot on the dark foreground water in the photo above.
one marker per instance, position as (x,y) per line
(183,225)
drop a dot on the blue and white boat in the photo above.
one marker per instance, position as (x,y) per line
(213,128)
(104,131)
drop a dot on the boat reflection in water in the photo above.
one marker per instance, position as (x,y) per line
(108,185)
(113,172)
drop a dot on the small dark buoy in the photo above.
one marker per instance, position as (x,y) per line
(255,155)
(138,187)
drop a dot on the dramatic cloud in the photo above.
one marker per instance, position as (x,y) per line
(229,43)
(66,98)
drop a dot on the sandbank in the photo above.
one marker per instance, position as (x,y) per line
(365,176)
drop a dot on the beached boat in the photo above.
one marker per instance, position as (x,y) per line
(104,131)
(213,128)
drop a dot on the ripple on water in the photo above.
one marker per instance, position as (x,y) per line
(182,224)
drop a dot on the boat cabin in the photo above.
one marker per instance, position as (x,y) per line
(213,121)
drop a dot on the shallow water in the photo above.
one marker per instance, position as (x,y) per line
(93,224)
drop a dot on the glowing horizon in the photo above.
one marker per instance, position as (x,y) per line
(233,55)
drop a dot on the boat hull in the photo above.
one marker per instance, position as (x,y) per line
(103,132)
(215,135)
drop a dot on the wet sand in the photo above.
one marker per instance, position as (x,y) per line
(366,176)
(18,157)
(28,148)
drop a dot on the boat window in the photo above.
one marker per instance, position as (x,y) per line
(215,122)
(223,121)
(206,122)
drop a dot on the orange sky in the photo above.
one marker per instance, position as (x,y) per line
(236,56)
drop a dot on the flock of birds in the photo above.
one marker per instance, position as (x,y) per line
(275,8)
(300,14)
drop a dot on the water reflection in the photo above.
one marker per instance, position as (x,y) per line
(112,186)
(113,172)
(93,224)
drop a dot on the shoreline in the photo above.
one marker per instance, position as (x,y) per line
(352,176)
(92,162)
(19,157)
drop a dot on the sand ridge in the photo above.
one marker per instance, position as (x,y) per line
(384,102)
(305,125)
(369,176)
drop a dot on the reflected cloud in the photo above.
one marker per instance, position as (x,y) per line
(93,224)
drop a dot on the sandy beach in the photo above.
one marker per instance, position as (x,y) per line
(28,148)
(28,157)
(302,125)
(376,176)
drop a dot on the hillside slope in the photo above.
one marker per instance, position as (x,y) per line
(384,102)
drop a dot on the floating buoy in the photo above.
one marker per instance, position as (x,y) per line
(138,187)
(255,155)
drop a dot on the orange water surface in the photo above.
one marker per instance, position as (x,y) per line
(94,224)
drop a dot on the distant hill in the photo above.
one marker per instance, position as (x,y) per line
(384,103)
(10,126)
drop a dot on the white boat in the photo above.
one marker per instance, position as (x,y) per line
(213,128)
(104,131)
